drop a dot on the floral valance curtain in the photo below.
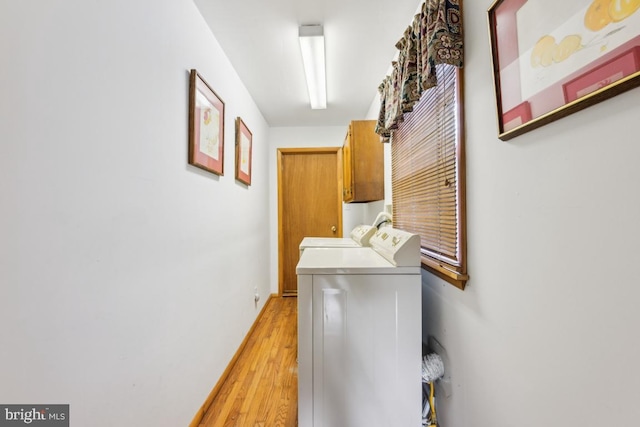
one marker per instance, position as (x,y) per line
(434,37)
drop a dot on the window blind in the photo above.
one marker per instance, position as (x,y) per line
(428,173)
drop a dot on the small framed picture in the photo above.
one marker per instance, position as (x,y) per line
(244,143)
(206,126)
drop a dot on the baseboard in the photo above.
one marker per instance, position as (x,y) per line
(197,419)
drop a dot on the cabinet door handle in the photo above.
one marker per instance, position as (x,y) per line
(333,228)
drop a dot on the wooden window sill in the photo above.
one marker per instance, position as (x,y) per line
(445,272)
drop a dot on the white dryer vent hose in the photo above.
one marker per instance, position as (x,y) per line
(383,218)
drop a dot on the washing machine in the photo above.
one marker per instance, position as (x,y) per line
(359,236)
(360,334)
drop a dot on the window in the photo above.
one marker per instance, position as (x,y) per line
(428,177)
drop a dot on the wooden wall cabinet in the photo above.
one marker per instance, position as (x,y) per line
(363,163)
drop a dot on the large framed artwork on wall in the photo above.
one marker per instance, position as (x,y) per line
(552,58)
(206,126)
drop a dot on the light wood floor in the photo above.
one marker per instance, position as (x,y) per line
(262,388)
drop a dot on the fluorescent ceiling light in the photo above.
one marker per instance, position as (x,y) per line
(312,47)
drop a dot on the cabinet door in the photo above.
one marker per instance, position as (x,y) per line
(364,163)
(347,165)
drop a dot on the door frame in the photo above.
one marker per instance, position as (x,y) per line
(305,150)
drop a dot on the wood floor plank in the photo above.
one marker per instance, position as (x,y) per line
(262,387)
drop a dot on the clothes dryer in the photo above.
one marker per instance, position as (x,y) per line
(359,237)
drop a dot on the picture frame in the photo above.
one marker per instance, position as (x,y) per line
(244,148)
(551,59)
(206,126)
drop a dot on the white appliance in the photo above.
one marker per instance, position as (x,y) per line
(359,236)
(360,334)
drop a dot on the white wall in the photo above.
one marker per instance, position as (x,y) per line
(127,276)
(546,331)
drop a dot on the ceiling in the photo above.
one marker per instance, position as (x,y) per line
(260,38)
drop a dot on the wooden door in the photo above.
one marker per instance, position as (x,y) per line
(309,204)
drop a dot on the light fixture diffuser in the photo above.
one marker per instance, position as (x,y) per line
(311,39)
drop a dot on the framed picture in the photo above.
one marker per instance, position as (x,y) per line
(552,58)
(206,126)
(244,143)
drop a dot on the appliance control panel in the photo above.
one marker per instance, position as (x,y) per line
(399,247)
(361,234)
